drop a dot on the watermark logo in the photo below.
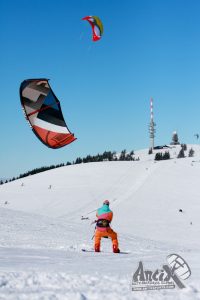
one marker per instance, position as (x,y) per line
(168,277)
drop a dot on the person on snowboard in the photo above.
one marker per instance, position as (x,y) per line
(104,217)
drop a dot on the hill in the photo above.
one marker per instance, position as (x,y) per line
(45,221)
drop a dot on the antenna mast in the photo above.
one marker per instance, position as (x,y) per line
(152,125)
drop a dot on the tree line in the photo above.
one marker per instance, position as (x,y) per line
(181,154)
(106,156)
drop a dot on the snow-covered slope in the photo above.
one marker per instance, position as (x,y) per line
(45,221)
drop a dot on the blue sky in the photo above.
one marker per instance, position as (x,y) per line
(149,49)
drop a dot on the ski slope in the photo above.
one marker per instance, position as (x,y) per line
(46,221)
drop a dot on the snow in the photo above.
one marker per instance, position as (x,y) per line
(43,230)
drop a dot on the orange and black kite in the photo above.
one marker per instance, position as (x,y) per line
(43,113)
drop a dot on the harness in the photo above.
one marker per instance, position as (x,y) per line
(103,223)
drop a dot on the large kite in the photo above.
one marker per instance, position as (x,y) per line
(97,27)
(43,113)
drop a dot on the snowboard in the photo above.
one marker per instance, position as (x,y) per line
(91,250)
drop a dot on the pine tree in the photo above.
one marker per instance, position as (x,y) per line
(175,139)
(184,146)
(181,154)
(150,151)
(78,160)
(166,155)
(123,155)
(191,153)
(158,156)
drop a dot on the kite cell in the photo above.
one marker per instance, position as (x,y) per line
(43,113)
(97,27)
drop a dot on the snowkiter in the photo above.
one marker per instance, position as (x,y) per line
(104,217)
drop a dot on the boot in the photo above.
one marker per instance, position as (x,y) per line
(97,248)
(115,249)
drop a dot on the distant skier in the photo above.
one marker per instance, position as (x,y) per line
(104,218)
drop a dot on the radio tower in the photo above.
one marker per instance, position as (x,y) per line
(152,125)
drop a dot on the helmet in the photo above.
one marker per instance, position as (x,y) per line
(106,202)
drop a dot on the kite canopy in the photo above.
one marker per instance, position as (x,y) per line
(97,27)
(43,113)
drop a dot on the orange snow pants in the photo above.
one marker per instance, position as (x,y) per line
(107,233)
